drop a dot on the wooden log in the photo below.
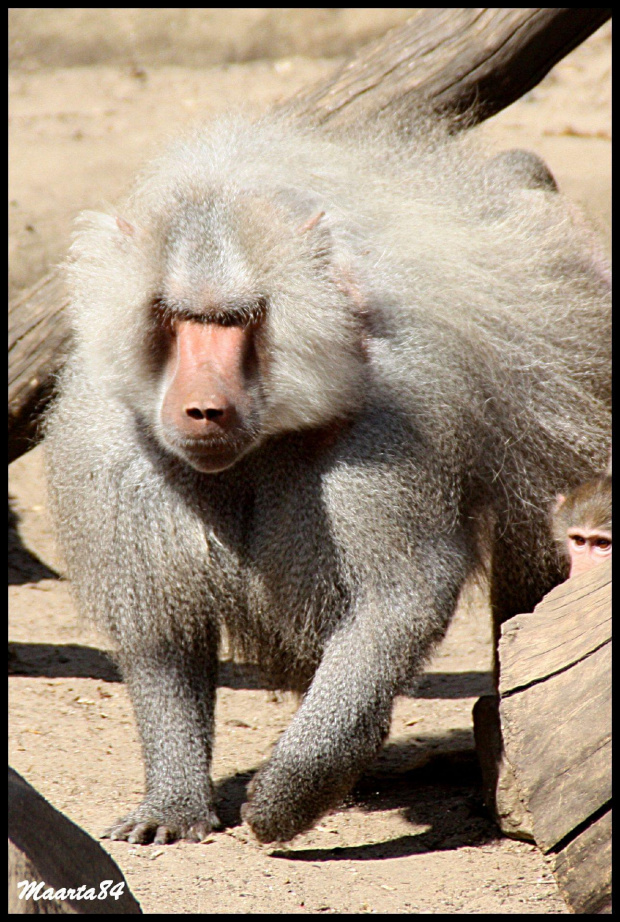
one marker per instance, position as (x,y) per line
(450,58)
(555,716)
(502,795)
(39,340)
(476,61)
(583,862)
(45,846)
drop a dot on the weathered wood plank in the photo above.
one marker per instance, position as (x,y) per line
(557,737)
(502,795)
(39,339)
(549,774)
(457,59)
(555,704)
(47,847)
(557,633)
(583,869)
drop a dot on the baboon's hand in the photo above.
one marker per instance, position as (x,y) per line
(337,731)
(292,791)
(280,806)
(162,825)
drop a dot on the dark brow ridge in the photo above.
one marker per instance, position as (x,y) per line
(234,312)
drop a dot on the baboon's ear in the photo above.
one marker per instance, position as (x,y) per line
(347,284)
(125,227)
(559,502)
(343,277)
(311,223)
(317,232)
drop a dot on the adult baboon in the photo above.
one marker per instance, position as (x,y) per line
(317,379)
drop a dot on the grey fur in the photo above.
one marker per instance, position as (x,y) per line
(450,317)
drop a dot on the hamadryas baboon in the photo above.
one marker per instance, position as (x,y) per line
(318,380)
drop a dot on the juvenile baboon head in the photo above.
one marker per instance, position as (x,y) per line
(582,524)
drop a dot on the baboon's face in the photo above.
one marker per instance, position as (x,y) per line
(209,413)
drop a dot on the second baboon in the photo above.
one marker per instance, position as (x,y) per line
(317,379)
(581,523)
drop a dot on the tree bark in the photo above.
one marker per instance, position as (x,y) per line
(549,770)
(471,61)
(47,847)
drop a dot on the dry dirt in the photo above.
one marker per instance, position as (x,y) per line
(92,93)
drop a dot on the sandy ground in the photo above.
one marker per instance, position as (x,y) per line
(92,94)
